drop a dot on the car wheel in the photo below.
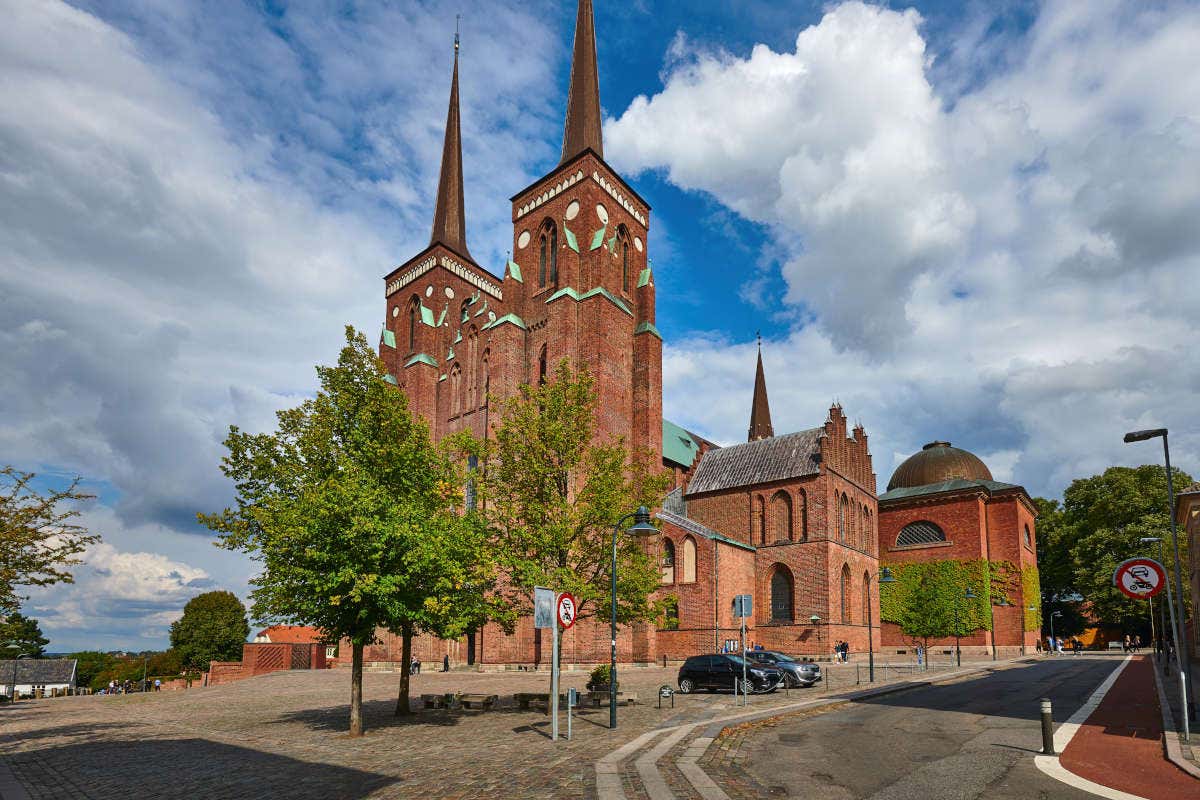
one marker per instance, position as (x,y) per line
(686,686)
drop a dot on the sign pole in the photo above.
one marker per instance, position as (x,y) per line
(554,677)
(745,690)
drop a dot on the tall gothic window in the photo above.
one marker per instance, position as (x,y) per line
(803,516)
(472,388)
(845,593)
(623,245)
(455,390)
(781,594)
(762,522)
(414,311)
(542,366)
(781,517)
(548,254)
(841,518)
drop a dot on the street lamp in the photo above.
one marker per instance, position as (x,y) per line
(884,576)
(1162,620)
(1053,641)
(1181,646)
(641,527)
(969,595)
(16,658)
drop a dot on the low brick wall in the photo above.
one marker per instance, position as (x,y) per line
(259,658)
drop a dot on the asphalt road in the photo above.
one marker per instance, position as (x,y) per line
(975,738)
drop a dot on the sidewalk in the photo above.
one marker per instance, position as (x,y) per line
(1120,744)
(1170,686)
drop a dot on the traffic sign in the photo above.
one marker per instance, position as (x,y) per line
(543,607)
(566,610)
(743,605)
(1140,578)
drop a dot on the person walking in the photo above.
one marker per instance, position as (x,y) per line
(446,663)
(1076,645)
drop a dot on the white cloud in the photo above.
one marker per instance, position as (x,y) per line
(1013,267)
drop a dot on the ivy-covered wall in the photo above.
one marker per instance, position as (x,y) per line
(923,597)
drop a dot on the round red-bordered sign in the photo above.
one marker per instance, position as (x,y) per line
(567,610)
(1140,578)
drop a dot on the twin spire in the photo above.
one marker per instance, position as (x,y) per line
(581,132)
(760,412)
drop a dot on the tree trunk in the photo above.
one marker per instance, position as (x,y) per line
(403,708)
(356,678)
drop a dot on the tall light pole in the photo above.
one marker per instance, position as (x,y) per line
(1162,619)
(969,595)
(884,576)
(1181,647)
(16,658)
(641,527)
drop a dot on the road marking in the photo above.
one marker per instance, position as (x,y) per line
(1051,766)
(608,768)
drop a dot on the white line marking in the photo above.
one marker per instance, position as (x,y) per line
(1051,766)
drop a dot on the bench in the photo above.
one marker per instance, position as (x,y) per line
(601,698)
(482,701)
(1116,646)
(523,699)
(437,700)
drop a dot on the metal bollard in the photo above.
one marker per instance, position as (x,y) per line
(1047,728)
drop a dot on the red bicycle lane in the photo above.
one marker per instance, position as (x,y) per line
(1120,744)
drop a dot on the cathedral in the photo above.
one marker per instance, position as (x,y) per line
(793,519)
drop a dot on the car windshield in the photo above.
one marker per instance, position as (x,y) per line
(783,658)
(738,660)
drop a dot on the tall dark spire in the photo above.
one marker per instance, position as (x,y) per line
(449,217)
(760,412)
(582,129)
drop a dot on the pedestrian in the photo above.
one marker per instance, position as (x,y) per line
(1076,645)
(1038,644)
(1137,643)
(158,684)
(1058,645)
(1126,644)
(446,663)
(920,655)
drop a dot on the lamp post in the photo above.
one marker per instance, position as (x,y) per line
(884,576)
(969,595)
(1053,641)
(641,527)
(16,658)
(1181,647)
(1162,618)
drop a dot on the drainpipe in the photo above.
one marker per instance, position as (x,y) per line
(716,601)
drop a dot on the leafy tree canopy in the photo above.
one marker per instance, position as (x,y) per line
(24,632)
(39,538)
(213,628)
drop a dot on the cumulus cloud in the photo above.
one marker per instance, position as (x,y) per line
(1011,265)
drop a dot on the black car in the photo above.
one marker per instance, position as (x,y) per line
(725,672)
(798,674)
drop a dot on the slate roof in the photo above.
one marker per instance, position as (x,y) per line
(792,455)
(691,526)
(38,670)
(957,484)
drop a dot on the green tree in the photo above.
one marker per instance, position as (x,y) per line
(352,513)
(90,666)
(213,628)
(1103,518)
(39,538)
(24,632)
(550,494)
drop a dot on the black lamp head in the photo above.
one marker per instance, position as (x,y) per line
(1141,436)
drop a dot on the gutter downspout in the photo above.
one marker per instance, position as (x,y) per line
(716,599)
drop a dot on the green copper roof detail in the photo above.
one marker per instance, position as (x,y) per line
(421,358)
(442,318)
(510,318)
(427,315)
(390,378)
(598,239)
(388,338)
(514,271)
(644,277)
(442,378)
(450,354)
(457,337)
(482,308)
(602,292)
(647,327)
(612,245)
(679,446)
(571,241)
(566,291)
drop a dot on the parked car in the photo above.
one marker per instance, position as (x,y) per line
(798,674)
(721,671)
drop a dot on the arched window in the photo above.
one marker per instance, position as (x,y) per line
(414,313)
(455,390)
(845,593)
(464,311)
(864,530)
(472,387)
(841,518)
(623,249)
(542,366)
(670,613)
(917,533)
(781,595)
(871,535)
(543,257)
(668,561)
(1028,537)
(548,254)
(781,517)
(689,560)
(866,597)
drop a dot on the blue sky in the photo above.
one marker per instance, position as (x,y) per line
(972,222)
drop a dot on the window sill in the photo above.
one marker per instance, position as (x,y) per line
(906,547)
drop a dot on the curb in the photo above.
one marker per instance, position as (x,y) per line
(1171,746)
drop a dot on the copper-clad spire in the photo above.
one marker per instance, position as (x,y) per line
(449,217)
(760,412)
(583,100)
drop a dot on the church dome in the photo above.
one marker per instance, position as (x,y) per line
(938,462)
